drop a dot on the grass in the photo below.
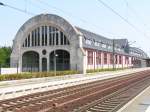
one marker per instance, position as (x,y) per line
(103,70)
(35,75)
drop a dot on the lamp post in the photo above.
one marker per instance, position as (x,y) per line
(55,56)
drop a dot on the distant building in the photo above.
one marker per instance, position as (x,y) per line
(47,40)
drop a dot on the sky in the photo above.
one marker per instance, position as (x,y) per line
(87,14)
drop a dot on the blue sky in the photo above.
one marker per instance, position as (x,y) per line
(87,14)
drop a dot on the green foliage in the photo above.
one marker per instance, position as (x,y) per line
(5,56)
(102,70)
(35,75)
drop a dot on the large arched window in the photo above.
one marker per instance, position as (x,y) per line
(59,59)
(30,61)
(45,36)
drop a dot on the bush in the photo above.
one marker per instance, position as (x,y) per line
(35,75)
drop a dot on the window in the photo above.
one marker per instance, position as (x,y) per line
(96,43)
(111,58)
(45,34)
(116,59)
(88,41)
(98,57)
(109,46)
(127,60)
(38,36)
(28,40)
(61,38)
(32,39)
(56,38)
(132,60)
(90,57)
(42,35)
(105,58)
(120,60)
(104,45)
(35,38)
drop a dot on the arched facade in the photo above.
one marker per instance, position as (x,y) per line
(45,34)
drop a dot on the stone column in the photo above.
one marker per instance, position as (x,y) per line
(20,63)
(30,39)
(48,36)
(59,39)
(40,36)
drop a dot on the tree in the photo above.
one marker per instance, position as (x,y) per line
(5,56)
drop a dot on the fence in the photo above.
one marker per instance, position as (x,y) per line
(5,69)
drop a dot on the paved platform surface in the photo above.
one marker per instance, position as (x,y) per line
(141,103)
(5,84)
(10,89)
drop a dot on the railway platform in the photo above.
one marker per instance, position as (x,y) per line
(141,103)
(12,89)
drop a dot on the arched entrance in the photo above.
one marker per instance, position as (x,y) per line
(59,60)
(44,64)
(30,61)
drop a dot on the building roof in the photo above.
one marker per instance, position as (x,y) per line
(121,43)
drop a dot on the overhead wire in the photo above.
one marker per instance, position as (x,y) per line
(69,14)
(139,17)
(124,19)
(17,9)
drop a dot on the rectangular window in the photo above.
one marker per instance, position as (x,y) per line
(103,45)
(56,38)
(111,58)
(90,57)
(96,43)
(88,41)
(38,35)
(65,41)
(61,38)
(105,58)
(127,60)
(35,42)
(53,38)
(45,35)
(120,60)
(42,35)
(98,57)
(50,36)
(32,39)
(116,59)
(28,40)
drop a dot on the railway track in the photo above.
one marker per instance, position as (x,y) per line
(100,96)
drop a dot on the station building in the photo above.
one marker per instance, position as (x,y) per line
(47,42)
